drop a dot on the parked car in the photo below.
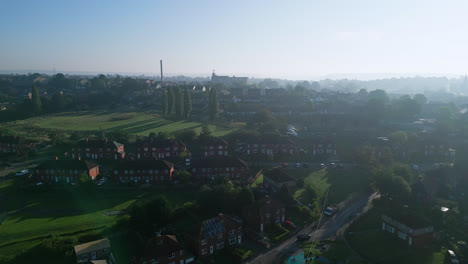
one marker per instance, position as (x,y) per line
(322,165)
(451,258)
(284,165)
(303,237)
(298,165)
(289,224)
(22,172)
(39,183)
(329,211)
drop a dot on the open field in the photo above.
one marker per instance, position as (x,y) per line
(66,212)
(342,183)
(138,123)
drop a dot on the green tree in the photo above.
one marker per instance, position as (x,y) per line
(179,102)
(188,103)
(420,98)
(164,102)
(36,100)
(58,101)
(170,100)
(205,132)
(213,104)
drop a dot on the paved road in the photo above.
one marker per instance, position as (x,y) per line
(329,227)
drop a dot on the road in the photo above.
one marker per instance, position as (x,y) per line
(330,227)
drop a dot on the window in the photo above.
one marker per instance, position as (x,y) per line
(232,240)
(150,171)
(181,252)
(220,152)
(390,229)
(126,172)
(166,171)
(203,251)
(402,235)
(131,171)
(231,232)
(203,242)
(116,172)
(268,215)
(172,255)
(145,149)
(277,211)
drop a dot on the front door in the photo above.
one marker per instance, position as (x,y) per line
(93,255)
(239,239)
(211,250)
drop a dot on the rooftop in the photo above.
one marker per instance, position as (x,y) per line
(92,246)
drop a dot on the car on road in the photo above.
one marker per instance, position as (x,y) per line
(451,258)
(39,184)
(22,172)
(289,224)
(284,165)
(298,165)
(303,237)
(322,165)
(329,211)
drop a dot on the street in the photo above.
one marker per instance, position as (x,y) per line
(329,227)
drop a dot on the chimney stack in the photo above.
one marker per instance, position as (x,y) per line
(79,158)
(160,63)
(56,158)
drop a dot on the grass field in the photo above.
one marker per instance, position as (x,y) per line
(342,183)
(66,212)
(138,123)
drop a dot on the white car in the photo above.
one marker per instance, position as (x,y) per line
(22,172)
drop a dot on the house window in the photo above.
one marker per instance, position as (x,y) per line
(277,211)
(402,235)
(172,255)
(166,171)
(203,242)
(181,252)
(232,240)
(203,251)
(268,215)
(131,171)
(126,172)
(116,172)
(194,170)
(390,229)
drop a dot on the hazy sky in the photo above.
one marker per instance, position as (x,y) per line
(291,39)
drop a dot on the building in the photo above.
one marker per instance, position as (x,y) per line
(274,179)
(215,147)
(65,171)
(161,149)
(163,249)
(14,144)
(264,213)
(415,231)
(323,148)
(94,251)
(144,171)
(229,81)
(270,146)
(215,234)
(98,150)
(208,169)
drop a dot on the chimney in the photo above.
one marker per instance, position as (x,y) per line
(79,158)
(220,216)
(56,158)
(86,139)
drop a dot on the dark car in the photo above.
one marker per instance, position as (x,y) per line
(303,237)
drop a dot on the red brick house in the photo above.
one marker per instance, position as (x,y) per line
(163,249)
(215,234)
(144,171)
(270,146)
(264,213)
(208,169)
(66,171)
(274,179)
(14,144)
(215,147)
(161,149)
(415,231)
(323,148)
(98,150)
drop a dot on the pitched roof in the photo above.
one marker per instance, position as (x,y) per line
(278,175)
(99,144)
(67,165)
(218,162)
(92,246)
(161,246)
(217,225)
(161,143)
(144,164)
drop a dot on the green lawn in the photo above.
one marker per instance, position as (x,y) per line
(342,183)
(138,123)
(66,212)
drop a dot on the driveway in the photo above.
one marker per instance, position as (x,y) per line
(330,227)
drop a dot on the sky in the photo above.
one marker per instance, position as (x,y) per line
(283,39)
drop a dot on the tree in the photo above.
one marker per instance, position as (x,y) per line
(188,103)
(164,102)
(179,102)
(58,101)
(36,100)
(420,98)
(213,104)
(170,100)
(205,132)
(186,136)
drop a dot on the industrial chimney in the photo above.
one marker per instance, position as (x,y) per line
(160,62)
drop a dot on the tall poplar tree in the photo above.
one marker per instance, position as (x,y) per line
(170,100)
(188,103)
(179,102)
(213,105)
(164,102)
(36,100)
